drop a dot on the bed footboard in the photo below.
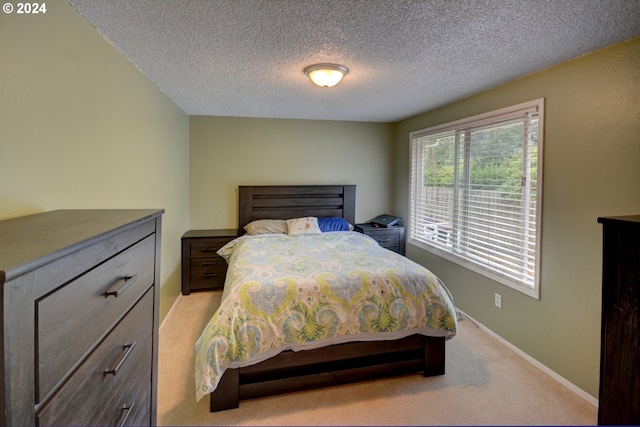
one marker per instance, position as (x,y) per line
(344,363)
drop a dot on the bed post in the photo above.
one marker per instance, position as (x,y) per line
(434,356)
(227,394)
(245,207)
(349,203)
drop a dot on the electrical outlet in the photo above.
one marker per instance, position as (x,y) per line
(498,300)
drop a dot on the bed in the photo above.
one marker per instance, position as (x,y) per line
(279,330)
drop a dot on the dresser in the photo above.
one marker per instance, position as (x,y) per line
(392,238)
(619,398)
(202,268)
(80,317)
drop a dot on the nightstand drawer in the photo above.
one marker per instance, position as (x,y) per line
(200,267)
(386,239)
(208,271)
(206,247)
(392,238)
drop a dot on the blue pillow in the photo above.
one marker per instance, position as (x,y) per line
(333,224)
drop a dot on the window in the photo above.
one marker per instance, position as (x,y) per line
(475,195)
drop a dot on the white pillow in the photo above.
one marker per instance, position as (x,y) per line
(266,226)
(306,225)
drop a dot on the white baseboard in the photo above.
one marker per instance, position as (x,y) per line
(171,310)
(554,375)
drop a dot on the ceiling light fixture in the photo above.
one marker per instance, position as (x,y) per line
(326,75)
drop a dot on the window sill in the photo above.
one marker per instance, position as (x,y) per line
(532,292)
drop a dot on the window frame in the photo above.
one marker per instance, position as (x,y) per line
(473,122)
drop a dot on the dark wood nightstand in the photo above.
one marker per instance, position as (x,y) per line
(202,268)
(392,238)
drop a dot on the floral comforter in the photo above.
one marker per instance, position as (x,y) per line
(301,292)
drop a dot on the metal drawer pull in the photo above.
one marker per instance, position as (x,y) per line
(126,411)
(209,249)
(121,286)
(127,351)
(209,263)
(384,240)
(210,275)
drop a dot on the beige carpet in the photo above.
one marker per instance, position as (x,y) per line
(485,384)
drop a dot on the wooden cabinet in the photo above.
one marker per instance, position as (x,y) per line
(202,267)
(619,399)
(392,238)
(80,306)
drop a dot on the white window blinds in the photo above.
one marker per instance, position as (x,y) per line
(475,193)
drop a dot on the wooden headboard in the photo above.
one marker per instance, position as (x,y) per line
(295,201)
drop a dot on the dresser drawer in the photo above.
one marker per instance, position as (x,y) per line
(85,312)
(130,404)
(207,247)
(92,395)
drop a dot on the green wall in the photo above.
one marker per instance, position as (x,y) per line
(81,127)
(227,152)
(591,169)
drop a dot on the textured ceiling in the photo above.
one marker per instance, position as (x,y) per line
(245,57)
